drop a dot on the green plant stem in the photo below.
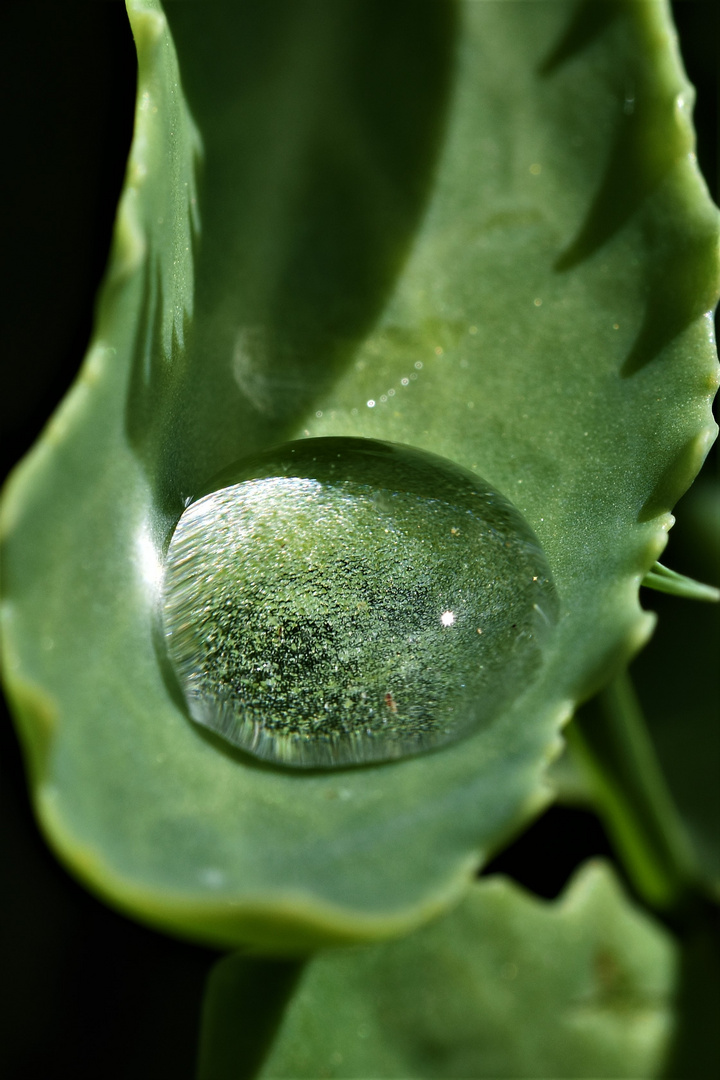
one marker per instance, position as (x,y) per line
(662,579)
(242,1008)
(611,743)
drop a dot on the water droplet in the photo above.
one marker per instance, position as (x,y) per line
(322,603)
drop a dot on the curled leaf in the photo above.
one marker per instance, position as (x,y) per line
(374,222)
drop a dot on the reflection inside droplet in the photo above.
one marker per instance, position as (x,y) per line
(340,601)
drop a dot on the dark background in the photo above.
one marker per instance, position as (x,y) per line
(87,993)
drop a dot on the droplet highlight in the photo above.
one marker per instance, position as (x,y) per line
(342,601)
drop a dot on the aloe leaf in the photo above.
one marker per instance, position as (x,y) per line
(504,986)
(491,210)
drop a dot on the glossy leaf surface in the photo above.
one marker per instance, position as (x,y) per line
(477,230)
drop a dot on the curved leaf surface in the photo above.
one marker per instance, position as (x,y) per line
(475,229)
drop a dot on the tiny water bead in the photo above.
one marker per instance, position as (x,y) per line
(341,601)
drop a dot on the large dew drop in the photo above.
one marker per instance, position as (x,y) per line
(340,601)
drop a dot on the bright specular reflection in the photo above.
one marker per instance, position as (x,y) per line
(149,562)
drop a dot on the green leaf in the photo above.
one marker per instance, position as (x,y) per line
(504,986)
(491,210)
